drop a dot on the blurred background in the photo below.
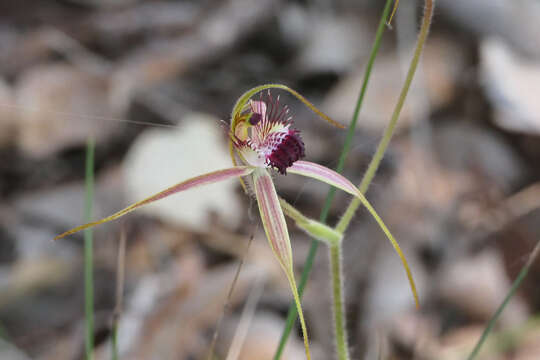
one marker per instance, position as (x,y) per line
(151,81)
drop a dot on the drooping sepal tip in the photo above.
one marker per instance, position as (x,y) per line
(331,177)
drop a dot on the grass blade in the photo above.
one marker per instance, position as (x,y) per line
(513,289)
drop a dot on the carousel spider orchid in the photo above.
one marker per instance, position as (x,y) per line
(262,136)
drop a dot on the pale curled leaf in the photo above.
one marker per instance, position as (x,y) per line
(200,180)
(331,177)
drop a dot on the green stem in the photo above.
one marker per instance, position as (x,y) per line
(340,325)
(292,314)
(389,131)
(114,339)
(521,276)
(89,252)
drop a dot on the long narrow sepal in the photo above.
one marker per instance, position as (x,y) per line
(277,234)
(200,180)
(324,174)
(272,217)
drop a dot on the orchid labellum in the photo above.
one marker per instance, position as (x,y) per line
(262,138)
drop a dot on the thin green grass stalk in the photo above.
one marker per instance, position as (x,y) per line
(513,289)
(89,252)
(292,314)
(114,341)
(340,324)
(345,220)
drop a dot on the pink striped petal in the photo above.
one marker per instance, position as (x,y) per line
(273,218)
(205,179)
(323,174)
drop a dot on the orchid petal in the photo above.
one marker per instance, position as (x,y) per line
(242,103)
(331,177)
(205,179)
(276,231)
(272,218)
(324,174)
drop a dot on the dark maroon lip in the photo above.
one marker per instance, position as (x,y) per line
(289,150)
(271,136)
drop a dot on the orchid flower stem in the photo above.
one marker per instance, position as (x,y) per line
(340,325)
(389,131)
(89,253)
(513,289)
(291,315)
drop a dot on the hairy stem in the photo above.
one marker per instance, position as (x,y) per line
(389,131)
(340,325)
(291,315)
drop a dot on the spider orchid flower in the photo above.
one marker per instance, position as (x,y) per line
(262,137)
